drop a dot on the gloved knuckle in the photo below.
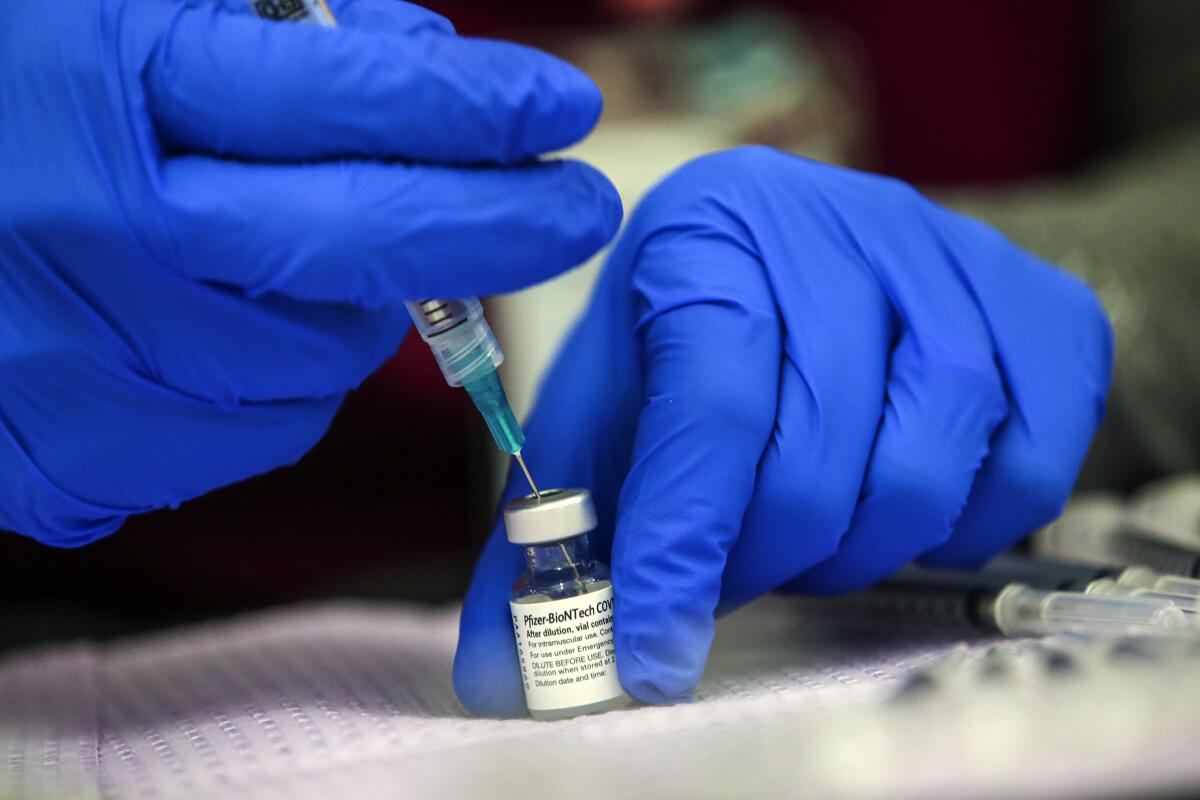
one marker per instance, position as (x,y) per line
(754,159)
(980,387)
(1040,483)
(931,494)
(1094,323)
(1088,335)
(745,163)
(904,191)
(714,192)
(1081,300)
(820,512)
(905,207)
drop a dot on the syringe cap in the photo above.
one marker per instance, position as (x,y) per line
(559,514)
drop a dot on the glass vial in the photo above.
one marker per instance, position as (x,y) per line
(562,608)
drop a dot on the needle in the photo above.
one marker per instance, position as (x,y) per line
(528,477)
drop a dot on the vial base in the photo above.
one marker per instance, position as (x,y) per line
(611,704)
(565,648)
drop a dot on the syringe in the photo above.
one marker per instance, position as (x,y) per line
(467,352)
(1146,578)
(462,342)
(1020,610)
(992,601)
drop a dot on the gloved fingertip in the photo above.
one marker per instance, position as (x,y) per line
(487,672)
(522,102)
(647,692)
(486,675)
(583,97)
(613,212)
(596,210)
(558,110)
(609,214)
(659,659)
(651,681)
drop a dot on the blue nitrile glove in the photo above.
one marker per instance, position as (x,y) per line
(208,223)
(795,376)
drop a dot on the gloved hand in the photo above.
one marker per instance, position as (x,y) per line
(795,376)
(208,223)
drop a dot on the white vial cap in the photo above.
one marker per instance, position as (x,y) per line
(559,514)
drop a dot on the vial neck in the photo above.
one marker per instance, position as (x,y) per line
(564,554)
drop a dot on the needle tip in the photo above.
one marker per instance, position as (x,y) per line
(528,477)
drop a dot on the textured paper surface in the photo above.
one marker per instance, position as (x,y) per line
(356,700)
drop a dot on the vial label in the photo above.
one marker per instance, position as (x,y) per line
(566,650)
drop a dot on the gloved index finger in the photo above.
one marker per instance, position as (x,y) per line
(231,84)
(712,348)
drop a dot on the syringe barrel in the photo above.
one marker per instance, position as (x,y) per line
(1021,611)
(461,339)
(1146,578)
(1138,577)
(1106,587)
(1178,584)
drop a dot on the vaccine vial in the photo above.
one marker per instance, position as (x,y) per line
(562,608)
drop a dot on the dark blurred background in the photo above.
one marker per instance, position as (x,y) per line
(1071,125)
